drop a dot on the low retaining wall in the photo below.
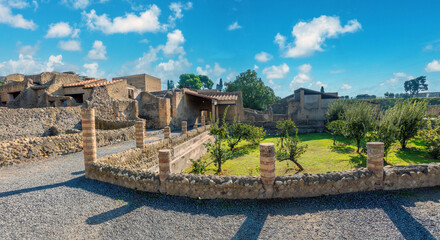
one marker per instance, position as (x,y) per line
(32,149)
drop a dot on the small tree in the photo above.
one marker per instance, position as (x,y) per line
(207,82)
(408,118)
(336,110)
(413,86)
(216,148)
(431,138)
(291,150)
(336,128)
(239,131)
(285,128)
(359,118)
(384,131)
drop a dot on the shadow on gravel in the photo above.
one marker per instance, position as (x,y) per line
(393,203)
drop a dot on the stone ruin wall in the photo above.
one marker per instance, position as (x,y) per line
(36,122)
(434,110)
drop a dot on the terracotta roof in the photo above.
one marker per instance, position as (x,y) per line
(83,83)
(102,83)
(220,96)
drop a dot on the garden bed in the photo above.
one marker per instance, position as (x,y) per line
(321,156)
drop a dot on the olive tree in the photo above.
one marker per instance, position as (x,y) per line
(336,128)
(291,150)
(359,117)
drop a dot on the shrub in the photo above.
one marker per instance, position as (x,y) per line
(359,118)
(336,110)
(431,138)
(336,128)
(408,118)
(291,150)
(384,131)
(216,148)
(286,128)
(198,166)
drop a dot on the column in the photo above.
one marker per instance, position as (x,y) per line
(89,137)
(267,167)
(375,154)
(140,133)
(164,164)
(167,132)
(184,127)
(213,113)
(202,120)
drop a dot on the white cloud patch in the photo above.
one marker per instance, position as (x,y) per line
(273,85)
(234,26)
(176,8)
(211,72)
(256,67)
(19,4)
(71,45)
(310,36)
(263,57)
(98,51)
(396,80)
(174,41)
(16,21)
(28,49)
(433,66)
(26,64)
(92,70)
(346,86)
(59,30)
(337,71)
(147,21)
(302,77)
(276,72)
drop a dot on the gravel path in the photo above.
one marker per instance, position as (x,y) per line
(53,200)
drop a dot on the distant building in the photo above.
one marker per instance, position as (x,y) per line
(144,82)
(428,94)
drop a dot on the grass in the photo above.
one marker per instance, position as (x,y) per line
(321,156)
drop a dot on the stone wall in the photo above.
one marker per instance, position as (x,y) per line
(37,148)
(36,122)
(434,110)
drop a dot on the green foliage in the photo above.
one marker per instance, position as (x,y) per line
(365,96)
(219,85)
(170,84)
(198,166)
(386,103)
(217,149)
(255,94)
(239,131)
(190,81)
(388,95)
(291,150)
(413,86)
(359,117)
(286,128)
(207,83)
(431,137)
(408,119)
(336,128)
(336,110)
(384,131)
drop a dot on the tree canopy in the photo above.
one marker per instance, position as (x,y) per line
(255,94)
(413,86)
(194,81)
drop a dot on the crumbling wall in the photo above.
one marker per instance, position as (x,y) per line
(36,122)
(434,110)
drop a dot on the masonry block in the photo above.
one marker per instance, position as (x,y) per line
(375,155)
(164,164)
(89,137)
(140,134)
(267,166)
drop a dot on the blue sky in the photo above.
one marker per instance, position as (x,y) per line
(351,47)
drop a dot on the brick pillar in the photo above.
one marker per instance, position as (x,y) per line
(202,120)
(167,132)
(140,134)
(164,164)
(184,127)
(267,166)
(89,137)
(375,154)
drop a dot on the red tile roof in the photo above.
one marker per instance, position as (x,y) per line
(102,83)
(83,83)
(220,96)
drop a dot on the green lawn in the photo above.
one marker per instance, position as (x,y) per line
(321,156)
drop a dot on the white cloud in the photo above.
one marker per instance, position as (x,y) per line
(321,84)
(75,33)
(273,85)
(310,36)
(98,51)
(337,71)
(58,30)
(396,79)
(77,4)
(212,73)
(276,72)
(302,77)
(234,26)
(147,21)
(144,41)
(16,21)
(433,66)
(231,76)
(263,57)
(174,40)
(176,9)
(92,70)
(256,67)
(71,45)
(346,86)
(19,4)
(28,49)
(26,64)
